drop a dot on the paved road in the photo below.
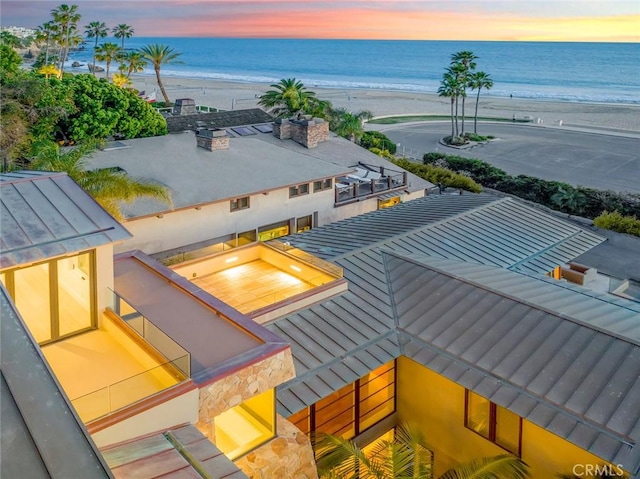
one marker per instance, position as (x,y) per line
(603,160)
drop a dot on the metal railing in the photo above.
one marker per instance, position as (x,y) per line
(351,187)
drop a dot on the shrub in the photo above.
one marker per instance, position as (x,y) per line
(438,174)
(375,139)
(616,222)
(383,153)
(588,202)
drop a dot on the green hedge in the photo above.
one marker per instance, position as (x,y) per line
(375,139)
(588,202)
(437,174)
(619,223)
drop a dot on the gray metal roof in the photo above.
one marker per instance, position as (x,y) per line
(41,436)
(478,239)
(566,375)
(252,164)
(43,215)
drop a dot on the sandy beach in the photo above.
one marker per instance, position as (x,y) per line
(236,96)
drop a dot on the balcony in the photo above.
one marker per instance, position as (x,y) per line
(366,181)
(264,280)
(108,369)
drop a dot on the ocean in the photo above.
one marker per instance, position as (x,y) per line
(579,72)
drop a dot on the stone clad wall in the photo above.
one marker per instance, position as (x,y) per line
(212,144)
(238,387)
(282,129)
(310,132)
(289,455)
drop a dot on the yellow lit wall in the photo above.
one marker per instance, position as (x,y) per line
(436,405)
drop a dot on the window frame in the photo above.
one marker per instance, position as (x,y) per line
(493,423)
(322,185)
(294,191)
(238,206)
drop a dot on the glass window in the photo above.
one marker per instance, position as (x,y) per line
(298,190)
(74,294)
(335,414)
(478,414)
(494,422)
(303,224)
(33,300)
(377,395)
(240,204)
(246,426)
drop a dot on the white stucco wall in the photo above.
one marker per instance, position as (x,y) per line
(104,277)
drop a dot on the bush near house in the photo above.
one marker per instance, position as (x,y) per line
(439,174)
(616,222)
(588,202)
(375,139)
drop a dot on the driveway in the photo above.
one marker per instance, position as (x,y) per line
(598,159)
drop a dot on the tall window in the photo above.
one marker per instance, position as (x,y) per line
(322,185)
(55,298)
(354,408)
(497,424)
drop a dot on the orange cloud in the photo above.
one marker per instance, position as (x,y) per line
(299,21)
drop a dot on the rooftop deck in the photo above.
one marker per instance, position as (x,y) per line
(368,180)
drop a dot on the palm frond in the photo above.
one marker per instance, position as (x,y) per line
(499,467)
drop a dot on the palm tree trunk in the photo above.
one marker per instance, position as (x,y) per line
(452,125)
(108,66)
(463,98)
(94,57)
(475,117)
(456,116)
(164,93)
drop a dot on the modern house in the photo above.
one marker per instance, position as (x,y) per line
(237,177)
(454,321)
(449,311)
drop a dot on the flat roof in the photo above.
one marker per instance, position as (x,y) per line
(252,164)
(44,215)
(218,338)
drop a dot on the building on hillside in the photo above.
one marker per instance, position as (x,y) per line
(453,321)
(237,177)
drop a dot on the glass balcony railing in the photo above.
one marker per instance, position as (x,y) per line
(152,334)
(368,180)
(128,391)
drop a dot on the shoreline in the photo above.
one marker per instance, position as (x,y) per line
(236,95)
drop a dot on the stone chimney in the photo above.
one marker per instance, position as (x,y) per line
(212,140)
(282,129)
(309,132)
(184,106)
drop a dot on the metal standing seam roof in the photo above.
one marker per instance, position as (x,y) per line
(44,215)
(562,372)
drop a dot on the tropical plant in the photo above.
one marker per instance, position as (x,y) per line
(44,34)
(403,457)
(463,63)
(9,60)
(49,70)
(347,124)
(449,88)
(66,18)
(159,55)
(375,139)
(95,30)
(569,199)
(290,97)
(9,39)
(122,31)
(132,62)
(478,81)
(109,187)
(107,52)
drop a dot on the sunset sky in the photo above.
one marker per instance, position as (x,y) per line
(527,20)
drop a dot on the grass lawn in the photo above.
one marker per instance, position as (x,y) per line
(392,120)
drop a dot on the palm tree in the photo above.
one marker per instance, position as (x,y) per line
(464,63)
(66,18)
(109,187)
(159,55)
(478,81)
(570,199)
(122,31)
(403,457)
(107,52)
(95,30)
(290,97)
(44,33)
(347,124)
(449,89)
(9,39)
(132,62)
